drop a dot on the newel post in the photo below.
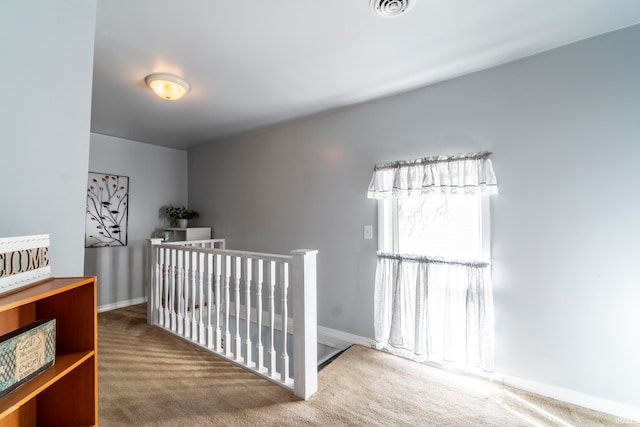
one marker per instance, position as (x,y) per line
(153,272)
(305,323)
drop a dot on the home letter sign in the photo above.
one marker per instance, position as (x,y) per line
(23,260)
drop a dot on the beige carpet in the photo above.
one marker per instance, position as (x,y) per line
(148,377)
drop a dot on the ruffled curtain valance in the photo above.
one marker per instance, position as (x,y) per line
(467,174)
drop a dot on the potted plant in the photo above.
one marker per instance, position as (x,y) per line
(180,215)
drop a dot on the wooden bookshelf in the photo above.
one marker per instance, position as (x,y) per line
(66,394)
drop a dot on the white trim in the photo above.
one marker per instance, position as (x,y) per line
(335,338)
(387,224)
(121,304)
(627,413)
(485,226)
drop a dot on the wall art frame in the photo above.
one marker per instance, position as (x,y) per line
(107,218)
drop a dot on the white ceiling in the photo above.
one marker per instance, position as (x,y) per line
(253,63)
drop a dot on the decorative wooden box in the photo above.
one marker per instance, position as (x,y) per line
(26,352)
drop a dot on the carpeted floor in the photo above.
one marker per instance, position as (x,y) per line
(148,377)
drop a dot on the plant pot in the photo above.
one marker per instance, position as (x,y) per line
(182,223)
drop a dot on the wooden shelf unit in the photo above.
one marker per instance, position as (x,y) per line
(67,393)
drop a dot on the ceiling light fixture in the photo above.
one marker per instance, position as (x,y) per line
(167,86)
(390,8)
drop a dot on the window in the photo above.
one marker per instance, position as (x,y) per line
(441,226)
(433,296)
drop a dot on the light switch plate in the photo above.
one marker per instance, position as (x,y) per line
(368,232)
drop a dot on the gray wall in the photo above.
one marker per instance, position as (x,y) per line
(46,70)
(565,129)
(157,177)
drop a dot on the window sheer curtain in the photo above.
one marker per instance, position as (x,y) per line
(426,308)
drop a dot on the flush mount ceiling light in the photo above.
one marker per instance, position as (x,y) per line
(390,8)
(167,86)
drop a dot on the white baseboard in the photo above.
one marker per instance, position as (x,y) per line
(121,304)
(337,339)
(627,414)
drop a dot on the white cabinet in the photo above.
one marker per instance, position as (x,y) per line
(191,233)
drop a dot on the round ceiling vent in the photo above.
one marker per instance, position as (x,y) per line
(390,8)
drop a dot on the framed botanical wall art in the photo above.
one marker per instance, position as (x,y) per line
(107,210)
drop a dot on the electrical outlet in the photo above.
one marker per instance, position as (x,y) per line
(368,232)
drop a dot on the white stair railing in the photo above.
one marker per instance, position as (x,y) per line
(210,296)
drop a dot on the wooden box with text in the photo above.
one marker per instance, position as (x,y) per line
(26,352)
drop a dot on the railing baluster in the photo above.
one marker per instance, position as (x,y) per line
(236,288)
(188,295)
(197,325)
(193,265)
(206,272)
(197,287)
(260,362)
(172,293)
(166,267)
(284,274)
(248,274)
(217,275)
(227,336)
(191,280)
(184,314)
(160,285)
(272,318)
